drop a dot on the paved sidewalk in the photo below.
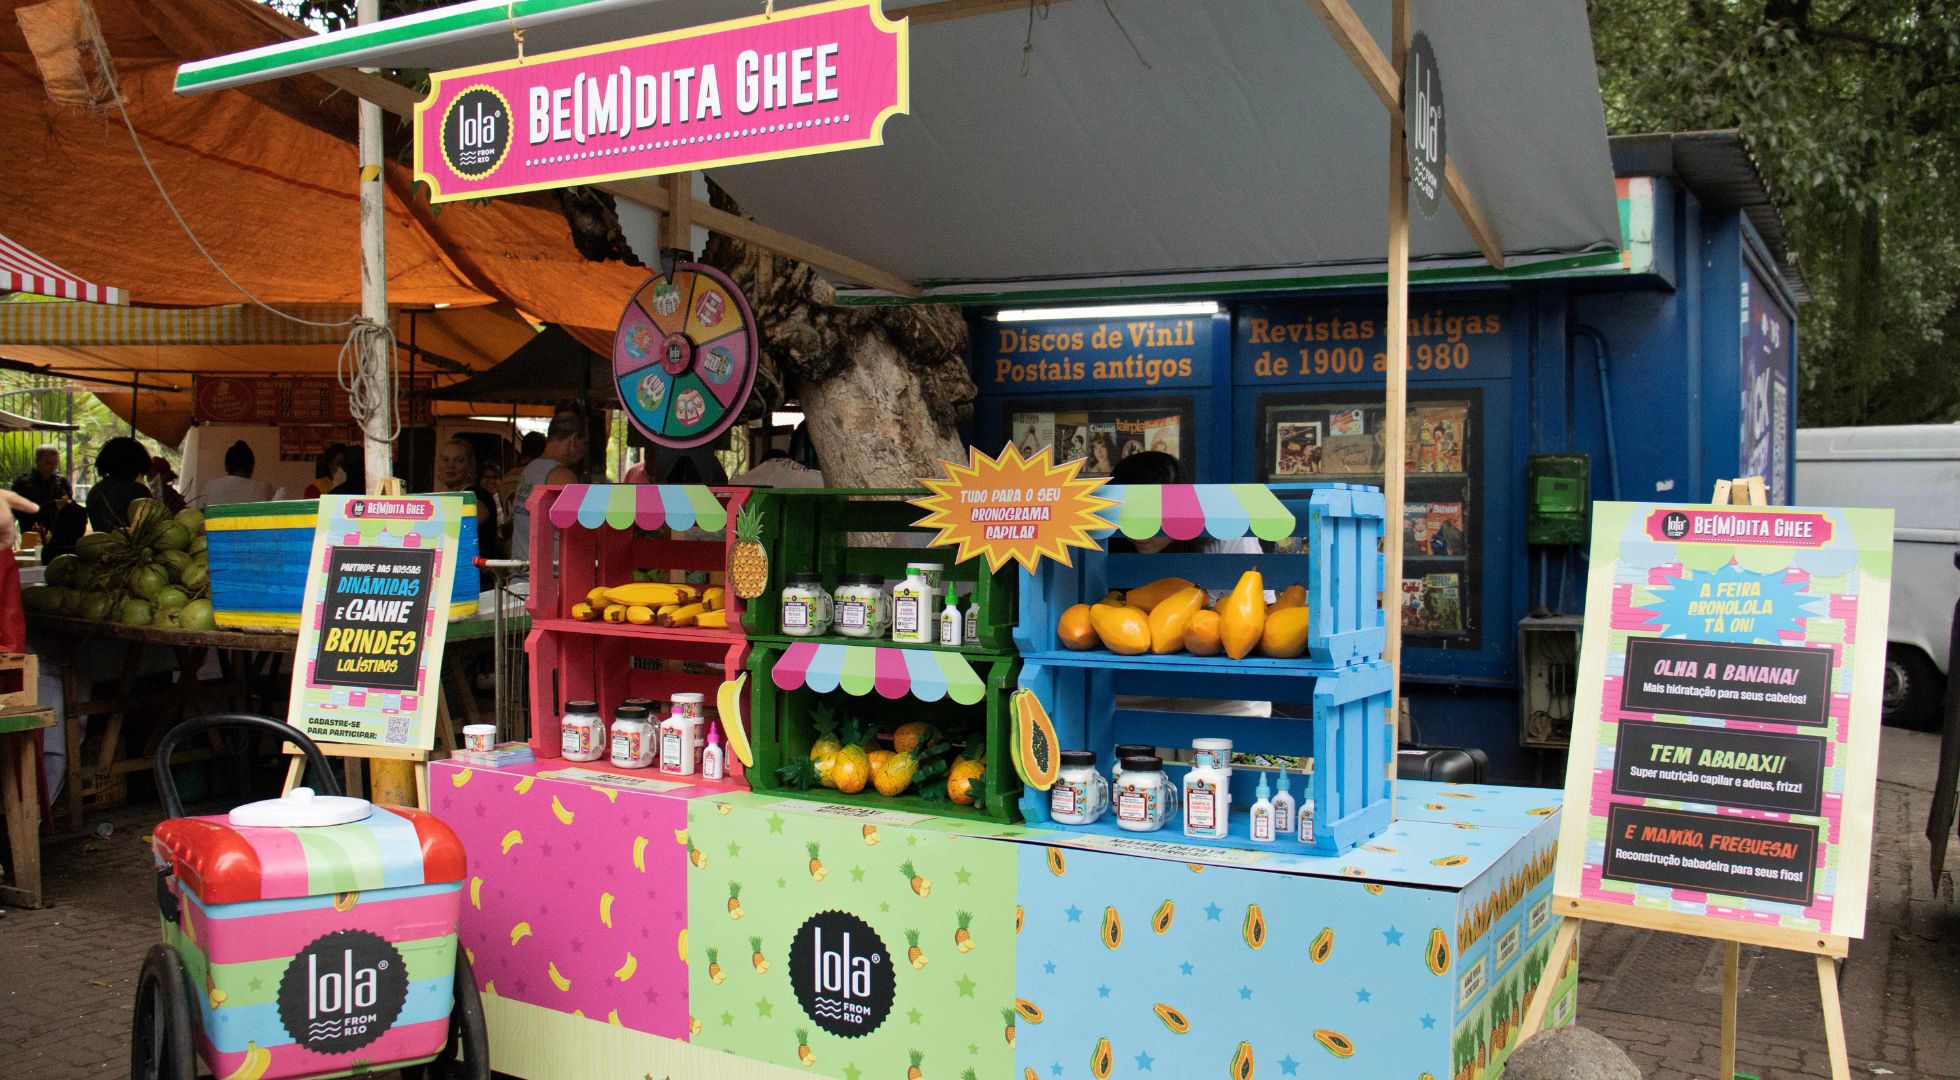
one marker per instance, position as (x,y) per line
(67,972)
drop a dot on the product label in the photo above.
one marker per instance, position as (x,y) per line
(1262,825)
(1133,806)
(670,752)
(905,615)
(575,741)
(973,622)
(1306,828)
(949,628)
(1282,819)
(1210,759)
(796,613)
(1200,809)
(851,613)
(1063,799)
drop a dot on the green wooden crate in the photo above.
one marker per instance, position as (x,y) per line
(782,730)
(811,530)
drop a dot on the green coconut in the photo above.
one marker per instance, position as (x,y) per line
(197,615)
(136,611)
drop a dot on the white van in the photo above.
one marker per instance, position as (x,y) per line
(1915,470)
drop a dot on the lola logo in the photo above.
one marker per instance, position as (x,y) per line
(842,973)
(342,992)
(476,132)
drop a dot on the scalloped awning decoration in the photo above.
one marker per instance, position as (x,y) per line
(925,674)
(1183,511)
(648,506)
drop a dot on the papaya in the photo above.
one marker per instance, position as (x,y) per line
(1336,1043)
(1291,597)
(1173,1018)
(1242,1062)
(1438,953)
(1450,860)
(1201,634)
(1374,888)
(1029,1010)
(1323,945)
(1242,615)
(1124,630)
(1102,1061)
(1075,629)
(1020,916)
(1285,633)
(1112,928)
(1161,921)
(1056,864)
(1149,596)
(1255,926)
(1035,752)
(1170,618)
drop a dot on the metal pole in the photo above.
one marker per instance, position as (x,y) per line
(393,781)
(1396,416)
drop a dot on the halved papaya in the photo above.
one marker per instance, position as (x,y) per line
(1450,860)
(1056,864)
(1254,929)
(1323,945)
(1173,1018)
(1438,953)
(1336,1043)
(1161,921)
(1029,1010)
(1035,753)
(1242,1064)
(1102,1061)
(1112,928)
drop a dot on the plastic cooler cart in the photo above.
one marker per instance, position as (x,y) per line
(316,935)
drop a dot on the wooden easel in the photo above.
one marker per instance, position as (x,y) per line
(1828,948)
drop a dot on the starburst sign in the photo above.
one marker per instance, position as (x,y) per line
(1013,509)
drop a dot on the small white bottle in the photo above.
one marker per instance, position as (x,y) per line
(952,625)
(677,743)
(1283,824)
(913,607)
(972,628)
(1306,812)
(1262,814)
(711,760)
(1207,800)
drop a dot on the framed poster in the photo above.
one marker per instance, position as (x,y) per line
(367,669)
(1725,743)
(1103,431)
(1337,436)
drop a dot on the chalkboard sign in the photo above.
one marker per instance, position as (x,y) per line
(373,623)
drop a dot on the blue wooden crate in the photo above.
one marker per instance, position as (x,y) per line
(1341,566)
(1348,735)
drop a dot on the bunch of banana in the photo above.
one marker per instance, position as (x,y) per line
(655,603)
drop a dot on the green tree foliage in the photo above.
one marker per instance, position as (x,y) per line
(1852,108)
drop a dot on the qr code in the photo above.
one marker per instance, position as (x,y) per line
(397,731)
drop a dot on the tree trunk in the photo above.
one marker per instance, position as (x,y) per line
(869,421)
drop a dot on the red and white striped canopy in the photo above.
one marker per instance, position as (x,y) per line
(23,271)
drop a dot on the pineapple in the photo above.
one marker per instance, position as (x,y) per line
(748,563)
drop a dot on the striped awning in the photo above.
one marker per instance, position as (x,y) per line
(925,674)
(23,271)
(1183,511)
(648,506)
(85,324)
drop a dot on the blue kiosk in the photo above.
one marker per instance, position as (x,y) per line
(1530,393)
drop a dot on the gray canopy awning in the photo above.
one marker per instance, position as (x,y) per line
(1149,146)
(546,370)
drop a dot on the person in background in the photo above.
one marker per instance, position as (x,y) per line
(530,448)
(163,484)
(329,471)
(122,467)
(564,452)
(456,471)
(236,485)
(44,486)
(491,479)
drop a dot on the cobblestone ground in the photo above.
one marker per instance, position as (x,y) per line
(67,972)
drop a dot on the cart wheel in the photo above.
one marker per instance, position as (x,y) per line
(469,1037)
(160,1030)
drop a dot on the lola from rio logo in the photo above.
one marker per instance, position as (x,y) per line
(342,992)
(842,973)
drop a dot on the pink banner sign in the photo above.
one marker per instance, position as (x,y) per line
(806,81)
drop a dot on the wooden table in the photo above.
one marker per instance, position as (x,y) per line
(248,651)
(20,800)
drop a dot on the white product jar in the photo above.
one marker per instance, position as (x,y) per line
(582,735)
(1080,794)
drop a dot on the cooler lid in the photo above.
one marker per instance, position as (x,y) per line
(301,808)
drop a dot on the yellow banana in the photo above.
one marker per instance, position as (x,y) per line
(461,777)
(728,704)
(605,909)
(257,1060)
(680,945)
(639,614)
(631,965)
(558,811)
(476,893)
(715,597)
(640,854)
(712,620)
(648,594)
(584,612)
(680,837)
(683,616)
(524,785)
(611,795)
(615,613)
(557,980)
(512,839)
(612,1017)
(597,597)
(520,932)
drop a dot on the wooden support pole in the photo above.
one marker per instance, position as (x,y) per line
(1396,416)
(1827,990)
(1731,975)
(677,224)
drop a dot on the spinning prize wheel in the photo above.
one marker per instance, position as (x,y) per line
(684,358)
